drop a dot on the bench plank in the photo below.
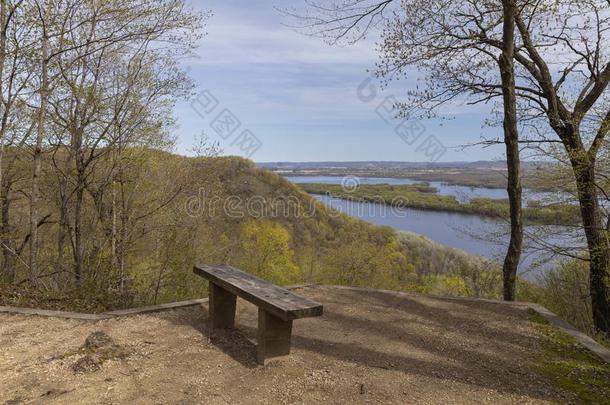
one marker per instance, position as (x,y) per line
(276,300)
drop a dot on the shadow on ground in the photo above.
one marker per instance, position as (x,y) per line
(233,342)
(454,342)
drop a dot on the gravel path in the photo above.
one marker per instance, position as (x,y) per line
(369,347)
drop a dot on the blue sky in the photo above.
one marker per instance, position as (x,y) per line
(299,96)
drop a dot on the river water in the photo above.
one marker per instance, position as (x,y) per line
(474,234)
(461,193)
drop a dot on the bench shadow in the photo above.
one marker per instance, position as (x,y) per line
(232,342)
(235,344)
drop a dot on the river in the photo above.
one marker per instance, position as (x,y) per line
(471,233)
(461,193)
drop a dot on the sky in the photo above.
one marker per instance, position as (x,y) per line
(272,94)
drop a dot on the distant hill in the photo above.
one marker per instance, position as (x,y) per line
(359,165)
(536,175)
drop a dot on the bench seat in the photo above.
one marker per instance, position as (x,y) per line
(277,307)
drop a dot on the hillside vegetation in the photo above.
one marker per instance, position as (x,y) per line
(162,213)
(167,212)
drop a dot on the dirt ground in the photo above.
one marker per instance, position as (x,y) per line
(369,347)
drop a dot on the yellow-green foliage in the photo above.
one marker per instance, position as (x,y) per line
(266,252)
(172,212)
(445,285)
(304,242)
(439,267)
(362,255)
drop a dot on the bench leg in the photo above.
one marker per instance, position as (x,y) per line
(273,336)
(222,308)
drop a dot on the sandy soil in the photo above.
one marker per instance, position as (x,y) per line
(369,347)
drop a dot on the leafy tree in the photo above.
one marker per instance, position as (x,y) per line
(267,252)
(450,42)
(562,75)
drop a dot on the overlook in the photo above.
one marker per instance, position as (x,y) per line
(370,346)
(304,201)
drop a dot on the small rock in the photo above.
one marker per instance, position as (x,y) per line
(97,340)
(86,364)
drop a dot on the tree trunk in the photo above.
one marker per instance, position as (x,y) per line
(7,269)
(37,162)
(79,196)
(7,242)
(511,140)
(3,18)
(78,231)
(597,243)
(122,234)
(63,224)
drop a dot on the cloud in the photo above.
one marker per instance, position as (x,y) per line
(258,36)
(296,93)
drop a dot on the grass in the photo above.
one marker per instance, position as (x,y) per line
(422,196)
(570,366)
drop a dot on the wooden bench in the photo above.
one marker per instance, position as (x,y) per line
(277,307)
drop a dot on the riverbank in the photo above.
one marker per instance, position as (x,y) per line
(423,197)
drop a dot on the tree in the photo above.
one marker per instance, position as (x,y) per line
(83,85)
(267,252)
(45,15)
(113,87)
(562,76)
(573,103)
(449,41)
(511,140)
(16,44)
